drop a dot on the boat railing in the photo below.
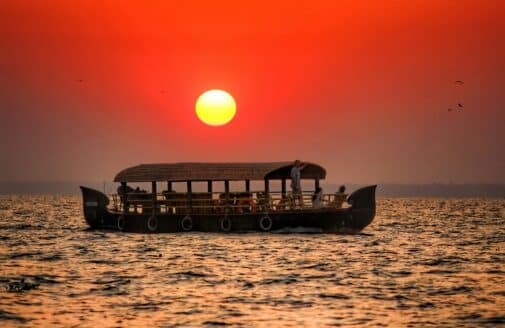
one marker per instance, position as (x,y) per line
(220,202)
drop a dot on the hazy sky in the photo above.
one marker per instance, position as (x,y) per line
(361,87)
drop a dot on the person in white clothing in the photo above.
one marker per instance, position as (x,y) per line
(296,175)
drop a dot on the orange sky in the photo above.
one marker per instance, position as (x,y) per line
(361,87)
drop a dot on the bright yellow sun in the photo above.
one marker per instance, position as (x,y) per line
(215,107)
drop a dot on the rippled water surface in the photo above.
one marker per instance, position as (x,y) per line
(422,262)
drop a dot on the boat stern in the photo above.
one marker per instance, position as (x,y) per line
(362,210)
(95,206)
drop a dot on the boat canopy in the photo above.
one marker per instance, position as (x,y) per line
(216,172)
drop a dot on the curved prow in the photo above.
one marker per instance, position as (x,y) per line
(95,206)
(363,198)
(363,206)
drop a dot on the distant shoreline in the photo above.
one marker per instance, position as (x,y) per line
(383,190)
(439,190)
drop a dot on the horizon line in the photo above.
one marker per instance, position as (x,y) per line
(80,182)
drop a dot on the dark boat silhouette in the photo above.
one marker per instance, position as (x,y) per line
(247,210)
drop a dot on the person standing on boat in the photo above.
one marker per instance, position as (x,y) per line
(296,175)
(123,191)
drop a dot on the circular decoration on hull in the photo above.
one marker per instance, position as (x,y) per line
(187,223)
(121,222)
(152,223)
(225,224)
(266,223)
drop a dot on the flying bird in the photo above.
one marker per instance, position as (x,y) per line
(458,89)
(80,80)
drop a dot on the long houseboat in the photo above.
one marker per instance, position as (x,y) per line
(209,210)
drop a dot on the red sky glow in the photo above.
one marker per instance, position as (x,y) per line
(361,87)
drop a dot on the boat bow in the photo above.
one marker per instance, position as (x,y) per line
(362,203)
(95,206)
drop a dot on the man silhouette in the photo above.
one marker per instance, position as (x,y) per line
(296,175)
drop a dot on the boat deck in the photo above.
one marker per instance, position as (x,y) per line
(219,202)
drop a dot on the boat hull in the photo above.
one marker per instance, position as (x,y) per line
(325,220)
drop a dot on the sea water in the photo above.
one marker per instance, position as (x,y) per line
(422,262)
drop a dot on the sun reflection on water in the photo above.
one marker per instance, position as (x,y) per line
(422,262)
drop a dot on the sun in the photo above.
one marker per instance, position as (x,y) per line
(215,107)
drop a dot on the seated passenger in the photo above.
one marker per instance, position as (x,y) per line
(340,197)
(122,191)
(317,198)
(138,197)
(242,202)
(225,203)
(263,201)
(283,203)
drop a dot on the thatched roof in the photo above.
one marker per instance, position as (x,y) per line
(215,172)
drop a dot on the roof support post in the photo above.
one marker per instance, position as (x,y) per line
(316,184)
(283,187)
(124,197)
(267,193)
(190,191)
(169,186)
(227,194)
(247,185)
(155,195)
(209,186)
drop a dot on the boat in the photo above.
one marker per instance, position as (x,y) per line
(226,210)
